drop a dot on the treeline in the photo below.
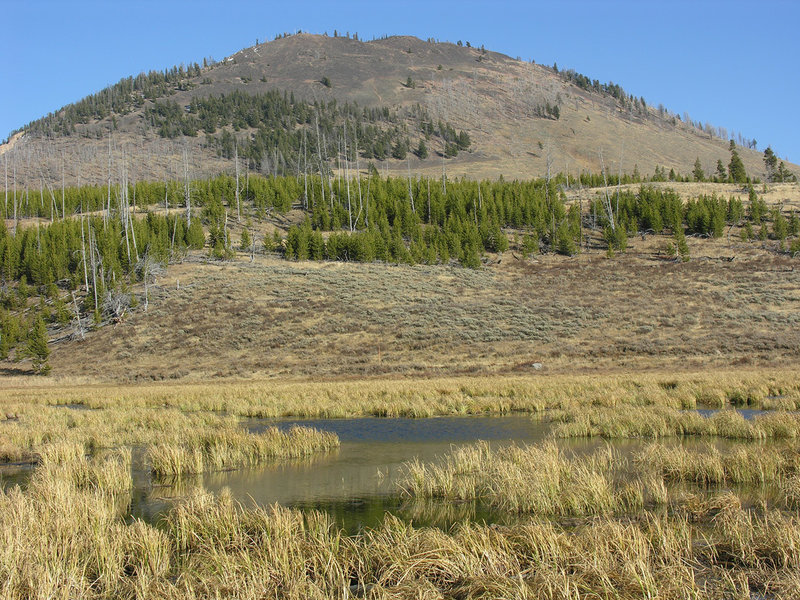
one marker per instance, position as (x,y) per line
(95,256)
(44,203)
(624,99)
(94,253)
(426,221)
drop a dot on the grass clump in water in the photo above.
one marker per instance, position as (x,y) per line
(233,448)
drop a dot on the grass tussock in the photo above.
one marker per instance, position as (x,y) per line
(234,448)
(536,479)
(710,466)
(662,421)
(542,480)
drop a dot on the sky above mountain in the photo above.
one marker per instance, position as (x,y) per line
(730,63)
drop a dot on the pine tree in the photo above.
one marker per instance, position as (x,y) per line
(422,150)
(698,173)
(771,163)
(736,168)
(721,174)
(681,247)
(37,347)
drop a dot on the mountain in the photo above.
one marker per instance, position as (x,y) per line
(518,117)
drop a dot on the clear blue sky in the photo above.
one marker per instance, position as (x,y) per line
(731,63)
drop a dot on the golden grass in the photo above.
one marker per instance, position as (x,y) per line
(541,479)
(114,416)
(217,450)
(536,479)
(65,537)
(663,421)
(710,466)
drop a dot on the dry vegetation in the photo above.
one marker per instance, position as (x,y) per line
(491,96)
(613,348)
(67,536)
(273,318)
(600,525)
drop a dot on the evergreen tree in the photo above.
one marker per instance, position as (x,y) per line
(399,150)
(771,163)
(698,173)
(681,247)
(721,174)
(422,150)
(37,347)
(736,168)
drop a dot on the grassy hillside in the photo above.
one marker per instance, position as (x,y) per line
(502,104)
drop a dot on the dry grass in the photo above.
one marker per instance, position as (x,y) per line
(664,421)
(233,448)
(532,479)
(109,416)
(273,318)
(542,480)
(65,539)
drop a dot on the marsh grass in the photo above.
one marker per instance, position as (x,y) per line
(63,537)
(755,465)
(663,421)
(116,416)
(540,479)
(537,479)
(234,448)
(616,526)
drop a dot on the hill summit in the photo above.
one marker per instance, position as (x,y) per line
(422,106)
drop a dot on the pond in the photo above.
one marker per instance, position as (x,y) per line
(358,482)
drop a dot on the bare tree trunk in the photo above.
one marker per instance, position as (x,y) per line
(319,157)
(606,198)
(305,172)
(358,176)
(410,194)
(63,182)
(444,179)
(347,179)
(78,324)
(83,255)
(15,195)
(108,206)
(94,265)
(186,191)
(429,201)
(619,173)
(236,160)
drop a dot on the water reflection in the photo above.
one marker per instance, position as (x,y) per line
(361,475)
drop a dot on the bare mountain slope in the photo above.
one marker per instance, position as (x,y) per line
(497,100)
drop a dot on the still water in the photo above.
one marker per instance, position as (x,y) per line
(358,482)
